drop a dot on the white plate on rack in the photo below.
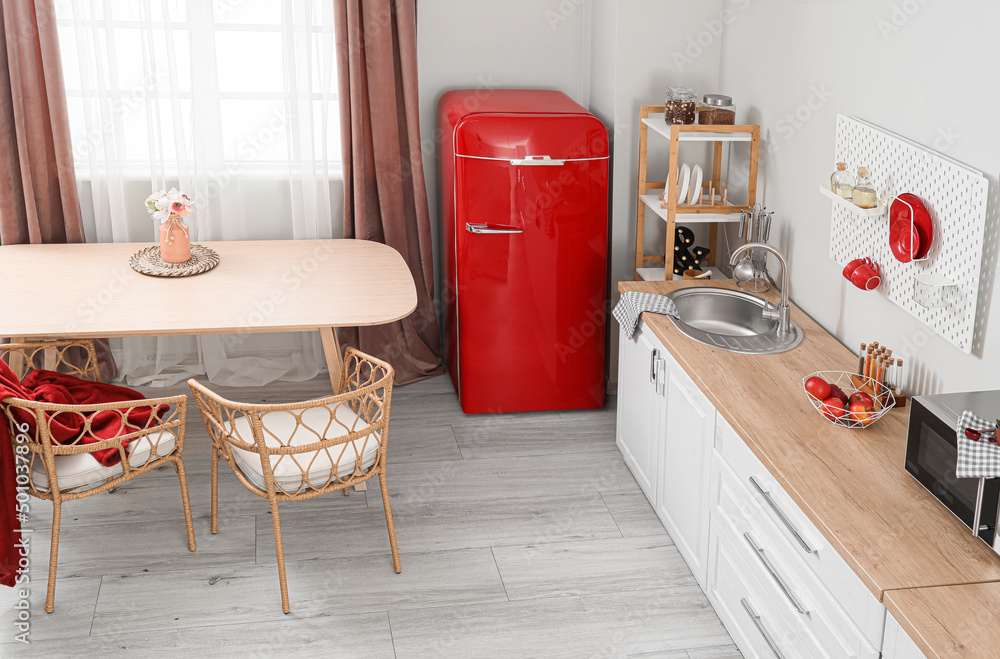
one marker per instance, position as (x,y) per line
(695,195)
(683,179)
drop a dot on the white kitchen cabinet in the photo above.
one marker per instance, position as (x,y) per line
(666,427)
(897,644)
(682,500)
(641,405)
(776,582)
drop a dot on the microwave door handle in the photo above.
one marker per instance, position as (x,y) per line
(979,507)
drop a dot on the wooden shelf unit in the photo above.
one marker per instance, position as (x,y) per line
(651,117)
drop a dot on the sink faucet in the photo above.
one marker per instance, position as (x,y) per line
(781,313)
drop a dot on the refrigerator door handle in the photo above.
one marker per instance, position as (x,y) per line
(537,160)
(485,228)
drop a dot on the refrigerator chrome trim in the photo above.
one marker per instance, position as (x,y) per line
(538,162)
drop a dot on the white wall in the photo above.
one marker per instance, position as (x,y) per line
(494,44)
(651,52)
(908,66)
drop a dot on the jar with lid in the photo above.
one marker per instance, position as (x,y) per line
(717,109)
(864,192)
(842,182)
(679,105)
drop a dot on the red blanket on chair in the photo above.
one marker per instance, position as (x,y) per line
(66,428)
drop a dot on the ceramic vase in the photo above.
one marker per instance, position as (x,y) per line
(175,242)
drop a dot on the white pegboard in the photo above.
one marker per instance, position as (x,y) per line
(955,196)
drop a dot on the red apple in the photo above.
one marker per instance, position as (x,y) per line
(862,397)
(833,408)
(837,392)
(818,388)
(861,412)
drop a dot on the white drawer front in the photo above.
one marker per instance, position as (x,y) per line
(800,538)
(788,578)
(758,623)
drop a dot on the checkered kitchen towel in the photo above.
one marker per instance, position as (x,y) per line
(630,308)
(977,458)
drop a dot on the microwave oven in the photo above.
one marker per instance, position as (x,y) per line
(932,454)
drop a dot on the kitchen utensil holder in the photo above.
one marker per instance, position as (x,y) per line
(956,199)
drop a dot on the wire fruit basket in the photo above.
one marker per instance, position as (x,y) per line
(851,383)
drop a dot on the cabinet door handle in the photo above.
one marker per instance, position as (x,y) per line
(774,573)
(652,364)
(759,624)
(784,520)
(661,376)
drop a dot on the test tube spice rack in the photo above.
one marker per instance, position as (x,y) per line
(877,364)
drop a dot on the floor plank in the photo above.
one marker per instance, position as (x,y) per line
(633,514)
(674,618)
(721,652)
(365,635)
(76,599)
(489,478)
(133,546)
(613,565)
(318,587)
(520,437)
(440,526)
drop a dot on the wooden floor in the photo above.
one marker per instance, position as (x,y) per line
(520,535)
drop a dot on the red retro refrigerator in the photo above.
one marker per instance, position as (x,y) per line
(524,194)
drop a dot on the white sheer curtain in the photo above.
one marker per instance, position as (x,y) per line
(232,101)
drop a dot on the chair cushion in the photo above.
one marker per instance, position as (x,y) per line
(318,465)
(84,469)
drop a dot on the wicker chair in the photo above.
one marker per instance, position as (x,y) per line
(298,451)
(66,472)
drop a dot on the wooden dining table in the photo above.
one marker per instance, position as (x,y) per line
(90,291)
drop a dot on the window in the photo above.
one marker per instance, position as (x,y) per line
(221,86)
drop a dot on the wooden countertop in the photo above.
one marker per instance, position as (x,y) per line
(850,483)
(950,621)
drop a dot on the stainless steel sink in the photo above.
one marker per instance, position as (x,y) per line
(731,320)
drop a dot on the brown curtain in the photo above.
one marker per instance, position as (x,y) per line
(385,197)
(38,198)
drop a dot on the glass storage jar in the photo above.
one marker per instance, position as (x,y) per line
(679,105)
(717,109)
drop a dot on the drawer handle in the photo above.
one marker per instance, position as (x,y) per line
(784,520)
(774,573)
(759,624)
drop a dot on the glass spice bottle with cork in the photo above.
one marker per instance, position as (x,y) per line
(679,105)
(864,195)
(842,182)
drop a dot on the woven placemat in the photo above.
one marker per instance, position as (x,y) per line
(148,262)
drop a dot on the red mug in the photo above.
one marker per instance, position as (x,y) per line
(867,277)
(852,266)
